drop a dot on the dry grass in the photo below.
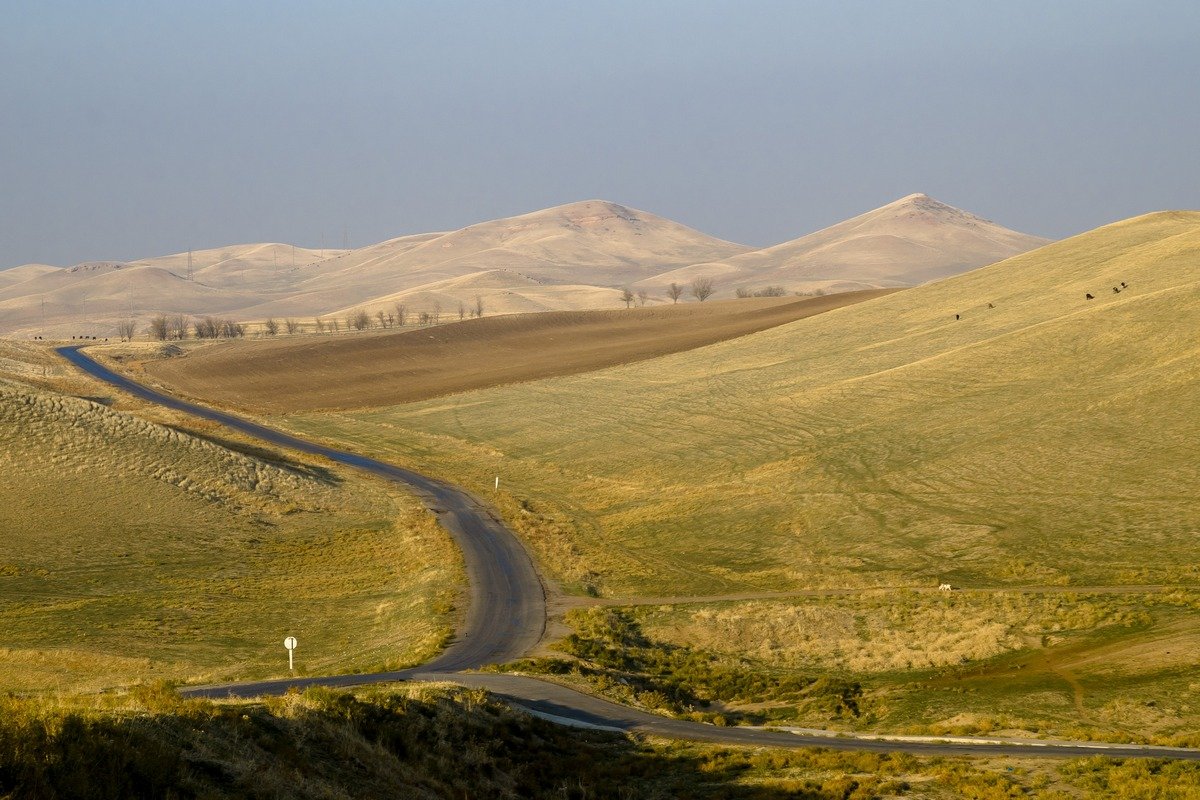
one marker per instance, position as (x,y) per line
(888,632)
(136,551)
(1113,667)
(425,741)
(1044,440)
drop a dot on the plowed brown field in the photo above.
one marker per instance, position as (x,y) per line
(388,368)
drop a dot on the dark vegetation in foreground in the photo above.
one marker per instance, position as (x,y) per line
(612,653)
(422,741)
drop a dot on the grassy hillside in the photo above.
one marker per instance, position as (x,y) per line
(435,742)
(133,550)
(879,444)
(1041,443)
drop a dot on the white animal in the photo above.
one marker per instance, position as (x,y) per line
(945,587)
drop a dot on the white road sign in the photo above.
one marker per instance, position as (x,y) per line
(290,644)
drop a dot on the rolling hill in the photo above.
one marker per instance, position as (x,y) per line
(136,551)
(998,431)
(15,275)
(571,257)
(888,437)
(590,244)
(904,243)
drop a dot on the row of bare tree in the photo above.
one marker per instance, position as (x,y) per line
(700,288)
(769,291)
(400,316)
(166,327)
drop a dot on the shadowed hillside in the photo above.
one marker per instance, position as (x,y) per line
(437,742)
(135,550)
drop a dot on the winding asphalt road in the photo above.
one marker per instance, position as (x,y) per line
(507,617)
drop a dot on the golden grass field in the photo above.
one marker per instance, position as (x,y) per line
(1046,440)
(135,550)
(1041,440)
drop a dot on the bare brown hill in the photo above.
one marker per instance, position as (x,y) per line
(907,242)
(367,370)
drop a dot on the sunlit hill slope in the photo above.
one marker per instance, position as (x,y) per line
(1039,438)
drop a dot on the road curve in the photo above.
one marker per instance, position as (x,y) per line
(507,616)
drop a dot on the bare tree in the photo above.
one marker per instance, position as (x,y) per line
(382,317)
(437,311)
(462,310)
(391,321)
(401,314)
(674,291)
(424,318)
(271,327)
(230,329)
(177,326)
(125,329)
(742,292)
(627,296)
(335,325)
(207,328)
(320,324)
(359,320)
(643,296)
(478,305)
(291,325)
(702,289)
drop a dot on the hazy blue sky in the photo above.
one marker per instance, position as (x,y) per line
(132,129)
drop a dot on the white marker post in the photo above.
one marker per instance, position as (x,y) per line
(497,483)
(290,644)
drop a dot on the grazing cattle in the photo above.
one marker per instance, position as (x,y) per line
(1123,285)
(945,587)
(1116,290)
(991,305)
(1090,296)
(956,316)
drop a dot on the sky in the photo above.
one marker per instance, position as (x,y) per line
(135,129)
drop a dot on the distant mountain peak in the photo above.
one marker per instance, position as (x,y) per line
(593,210)
(923,202)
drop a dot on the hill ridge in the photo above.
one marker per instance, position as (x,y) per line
(579,254)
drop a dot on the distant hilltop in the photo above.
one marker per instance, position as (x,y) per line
(576,256)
